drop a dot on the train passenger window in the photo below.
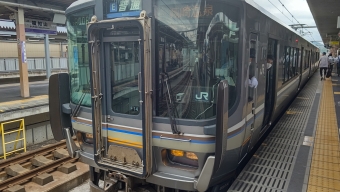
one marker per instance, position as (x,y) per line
(298,63)
(78,59)
(294,63)
(286,64)
(125,66)
(306,60)
(198,46)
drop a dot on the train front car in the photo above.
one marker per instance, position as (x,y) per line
(154,93)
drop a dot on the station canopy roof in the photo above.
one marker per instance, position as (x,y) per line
(61,5)
(325,13)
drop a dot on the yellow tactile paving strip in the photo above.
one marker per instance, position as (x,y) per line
(24,103)
(325,167)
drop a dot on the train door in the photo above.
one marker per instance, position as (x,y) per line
(251,99)
(270,82)
(122,111)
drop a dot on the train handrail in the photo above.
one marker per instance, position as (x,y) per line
(221,123)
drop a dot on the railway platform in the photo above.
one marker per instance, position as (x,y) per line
(13,106)
(302,151)
(33,112)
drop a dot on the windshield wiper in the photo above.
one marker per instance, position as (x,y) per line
(76,110)
(170,105)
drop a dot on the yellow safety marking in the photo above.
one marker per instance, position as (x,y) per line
(22,101)
(325,167)
(126,142)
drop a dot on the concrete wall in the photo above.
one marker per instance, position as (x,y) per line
(35,134)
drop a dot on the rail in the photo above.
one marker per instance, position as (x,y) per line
(25,160)
(33,64)
(25,157)
(22,178)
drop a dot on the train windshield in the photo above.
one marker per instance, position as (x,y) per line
(197,44)
(78,57)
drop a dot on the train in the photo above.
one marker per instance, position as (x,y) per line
(173,95)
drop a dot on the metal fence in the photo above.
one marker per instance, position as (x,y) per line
(34,64)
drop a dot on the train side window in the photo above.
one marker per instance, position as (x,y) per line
(287,64)
(298,56)
(309,57)
(305,60)
(294,56)
(252,67)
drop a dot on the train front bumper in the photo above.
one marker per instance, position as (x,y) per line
(158,178)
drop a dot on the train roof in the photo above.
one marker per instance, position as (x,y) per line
(79,4)
(268,14)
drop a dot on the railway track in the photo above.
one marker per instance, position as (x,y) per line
(29,166)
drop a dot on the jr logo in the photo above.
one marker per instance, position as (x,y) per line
(203,96)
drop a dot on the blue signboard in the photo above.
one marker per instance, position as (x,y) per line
(23,51)
(123,14)
(123,8)
(113,7)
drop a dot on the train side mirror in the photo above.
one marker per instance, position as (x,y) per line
(59,99)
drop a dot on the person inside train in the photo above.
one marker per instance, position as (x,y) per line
(270,60)
(252,81)
(323,65)
(269,74)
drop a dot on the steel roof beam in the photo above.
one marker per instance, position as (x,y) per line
(4,3)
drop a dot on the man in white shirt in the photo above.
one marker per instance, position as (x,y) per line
(323,65)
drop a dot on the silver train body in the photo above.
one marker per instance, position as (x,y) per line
(162,97)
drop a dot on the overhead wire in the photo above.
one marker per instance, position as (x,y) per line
(310,33)
(280,11)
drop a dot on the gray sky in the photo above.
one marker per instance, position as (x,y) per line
(300,10)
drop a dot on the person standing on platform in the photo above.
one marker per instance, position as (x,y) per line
(331,60)
(323,65)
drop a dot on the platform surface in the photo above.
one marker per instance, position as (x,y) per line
(302,151)
(10,99)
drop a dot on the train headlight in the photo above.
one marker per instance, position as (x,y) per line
(180,158)
(191,155)
(177,153)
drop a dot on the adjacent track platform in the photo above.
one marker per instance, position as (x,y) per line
(301,153)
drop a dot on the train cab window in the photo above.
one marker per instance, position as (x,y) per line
(78,59)
(198,46)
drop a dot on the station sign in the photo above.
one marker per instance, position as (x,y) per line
(40,26)
(334,43)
